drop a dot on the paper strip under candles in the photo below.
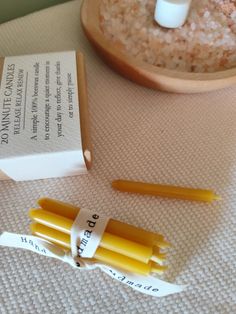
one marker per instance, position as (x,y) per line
(144,284)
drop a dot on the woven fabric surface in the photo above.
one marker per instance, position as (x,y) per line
(138,134)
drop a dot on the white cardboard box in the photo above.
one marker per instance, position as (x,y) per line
(44,123)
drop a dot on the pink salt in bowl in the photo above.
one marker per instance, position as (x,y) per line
(138,70)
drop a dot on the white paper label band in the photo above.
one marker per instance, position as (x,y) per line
(86,233)
(36,245)
(145,284)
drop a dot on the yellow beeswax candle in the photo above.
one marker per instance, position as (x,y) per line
(115,227)
(129,264)
(117,244)
(52,235)
(165,191)
(102,255)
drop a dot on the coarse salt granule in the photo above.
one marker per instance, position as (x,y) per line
(205,43)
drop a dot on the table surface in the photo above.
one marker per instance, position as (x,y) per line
(137,134)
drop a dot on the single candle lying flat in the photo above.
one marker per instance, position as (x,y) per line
(115,227)
(115,243)
(101,254)
(165,191)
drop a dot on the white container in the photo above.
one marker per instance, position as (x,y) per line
(172,13)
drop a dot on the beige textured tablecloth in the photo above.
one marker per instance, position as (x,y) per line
(137,134)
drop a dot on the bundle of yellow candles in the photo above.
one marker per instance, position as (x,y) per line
(122,245)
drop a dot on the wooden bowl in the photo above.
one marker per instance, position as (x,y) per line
(141,72)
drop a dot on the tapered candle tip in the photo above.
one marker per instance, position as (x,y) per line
(158,269)
(217,197)
(162,244)
(158,257)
